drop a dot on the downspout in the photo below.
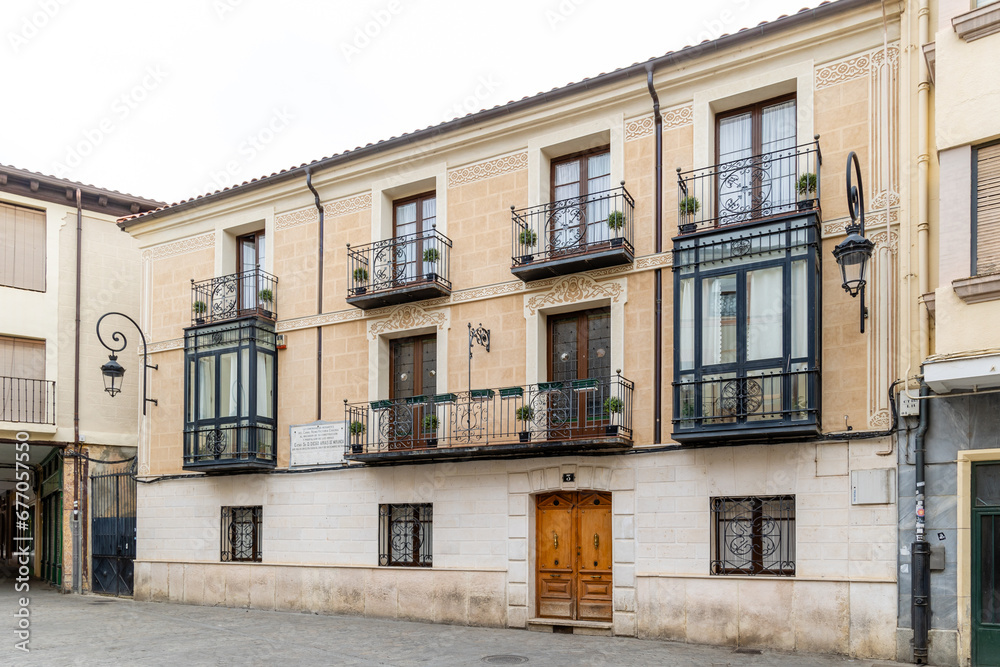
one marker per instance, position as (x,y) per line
(658,274)
(923,179)
(920,586)
(319,303)
(75,523)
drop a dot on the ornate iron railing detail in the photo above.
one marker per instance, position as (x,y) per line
(241,538)
(578,225)
(247,443)
(27,401)
(758,396)
(753,536)
(253,292)
(401,261)
(750,188)
(405,535)
(543,412)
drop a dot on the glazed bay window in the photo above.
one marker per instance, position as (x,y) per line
(746,314)
(231,399)
(241,534)
(405,535)
(753,536)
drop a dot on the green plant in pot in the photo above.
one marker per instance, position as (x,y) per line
(430,424)
(357,430)
(527,239)
(688,207)
(613,406)
(431,256)
(524,414)
(806,187)
(360,276)
(266,296)
(199,308)
(616,220)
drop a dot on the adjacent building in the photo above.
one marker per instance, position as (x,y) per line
(63,263)
(582,362)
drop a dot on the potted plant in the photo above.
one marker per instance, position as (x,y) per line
(612,406)
(430,430)
(806,188)
(616,220)
(360,280)
(199,308)
(687,208)
(266,296)
(525,414)
(527,239)
(431,256)
(357,430)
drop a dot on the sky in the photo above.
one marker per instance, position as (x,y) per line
(173,99)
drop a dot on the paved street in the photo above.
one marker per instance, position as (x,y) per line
(92,630)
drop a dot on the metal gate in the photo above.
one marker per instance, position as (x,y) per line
(112,498)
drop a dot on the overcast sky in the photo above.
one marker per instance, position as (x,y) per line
(169,100)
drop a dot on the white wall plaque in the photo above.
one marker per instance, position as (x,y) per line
(318,443)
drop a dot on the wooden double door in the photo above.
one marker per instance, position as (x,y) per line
(573,555)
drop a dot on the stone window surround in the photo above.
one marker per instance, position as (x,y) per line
(605,131)
(978,23)
(406,183)
(796,78)
(225,243)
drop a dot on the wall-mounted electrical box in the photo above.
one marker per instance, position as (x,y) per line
(873,487)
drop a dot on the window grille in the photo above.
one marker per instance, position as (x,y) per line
(753,535)
(241,534)
(405,535)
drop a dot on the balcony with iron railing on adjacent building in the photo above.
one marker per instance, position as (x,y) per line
(399,270)
(230,448)
(750,189)
(576,416)
(27,401)
(229,297)
(570,235)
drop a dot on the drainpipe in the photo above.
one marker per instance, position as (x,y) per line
(923,179)
(658,274)
(921,549)
(319,303)
(75,522)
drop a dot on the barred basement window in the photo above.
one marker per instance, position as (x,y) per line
(241,533)
(405,535)
(754,536)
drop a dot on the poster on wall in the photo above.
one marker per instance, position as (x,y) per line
(318,443)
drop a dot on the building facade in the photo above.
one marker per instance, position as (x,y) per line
(949,466)
(63,258)
(495,373)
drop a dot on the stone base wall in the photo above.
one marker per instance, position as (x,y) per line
(851,618)
(458,597)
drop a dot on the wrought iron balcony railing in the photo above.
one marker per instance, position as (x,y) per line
(27,401)
(593,413)
(229,447)
(253,292)
(756,403)
(403,268)
(750,188)
(575,234)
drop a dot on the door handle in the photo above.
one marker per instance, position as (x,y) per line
(597,541)
(596,576)
(555,540)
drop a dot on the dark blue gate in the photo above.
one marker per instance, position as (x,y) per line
(112,511)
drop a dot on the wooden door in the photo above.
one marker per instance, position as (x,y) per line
(579,349)
(250,255)
(413,369)
(573,555)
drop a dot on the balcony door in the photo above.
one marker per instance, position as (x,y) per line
(250,254)
(579,215)
(414,244)
(986,564)
(573,550)
(579,349)
(411,421)
(756,157)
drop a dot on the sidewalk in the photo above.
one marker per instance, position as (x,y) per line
(93,630)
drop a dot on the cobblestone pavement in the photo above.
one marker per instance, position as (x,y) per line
(93,630)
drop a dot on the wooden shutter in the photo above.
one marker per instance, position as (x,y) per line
(22,358)
(987,212)
(22,247)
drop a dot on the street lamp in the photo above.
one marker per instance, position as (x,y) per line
(113,371)
(853,253)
